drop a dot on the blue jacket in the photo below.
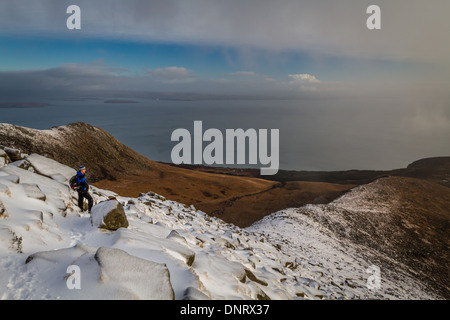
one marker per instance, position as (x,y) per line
(84,186)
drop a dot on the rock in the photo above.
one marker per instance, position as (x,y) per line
(192,293)
(218,267)
(24,164)
(11,178)
(56,256)
(146,219)
(149,241)
(3,212)
(174,235)
(14,154)
(225,243)
(109,215)
(51,168)
(33,191)
(4,189)
(261,295)
(252,277)
(4,158)
(8,236)
(140,278)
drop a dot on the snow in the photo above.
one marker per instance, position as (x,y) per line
(169,250)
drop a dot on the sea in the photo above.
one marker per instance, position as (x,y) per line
(315,135)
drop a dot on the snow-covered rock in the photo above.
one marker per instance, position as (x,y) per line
(50,168)
(130,277)
(32,190)
(109,215)
(24,164)
(4,158)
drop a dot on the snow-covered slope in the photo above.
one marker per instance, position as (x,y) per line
(168,251)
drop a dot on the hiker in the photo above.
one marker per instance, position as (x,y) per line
(83,189)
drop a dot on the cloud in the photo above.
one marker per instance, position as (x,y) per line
(64,80)
(410,30)
(303,78)
(97,79)
(172,74)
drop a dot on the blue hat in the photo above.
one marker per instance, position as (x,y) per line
(81,168)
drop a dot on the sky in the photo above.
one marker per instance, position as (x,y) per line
(367,92)
(255,48)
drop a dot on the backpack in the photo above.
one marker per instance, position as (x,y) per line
(73,183)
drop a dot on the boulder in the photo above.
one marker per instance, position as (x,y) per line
(14,154)
(109,215)
(4,158)
(50,168)
(134,277)
(24,164)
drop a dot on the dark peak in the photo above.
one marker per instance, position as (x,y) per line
(75,144)
(435,163)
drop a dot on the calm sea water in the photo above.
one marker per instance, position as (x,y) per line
(314,135)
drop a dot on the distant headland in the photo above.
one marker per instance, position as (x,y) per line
(5,105)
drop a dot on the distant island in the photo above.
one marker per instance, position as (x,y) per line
(8,105)
(120,101)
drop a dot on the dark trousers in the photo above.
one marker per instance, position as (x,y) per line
(85,195)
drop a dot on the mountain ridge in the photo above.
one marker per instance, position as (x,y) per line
(239,196)
(114,166)
(299,253)
(397,223)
